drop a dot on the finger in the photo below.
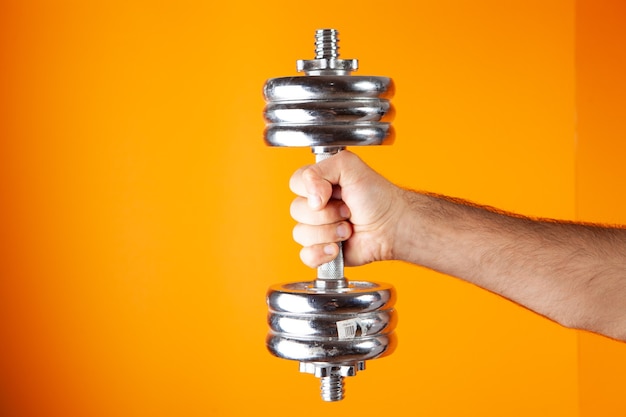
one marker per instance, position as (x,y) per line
(307,235)
(309,183)
(335,211)
(315,182)
(296,184)
(314,256)
(319,189)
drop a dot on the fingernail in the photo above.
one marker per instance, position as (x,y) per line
(344,211)
(329,249)
(314,201)
(342,231)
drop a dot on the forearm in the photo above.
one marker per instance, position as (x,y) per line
(572,273)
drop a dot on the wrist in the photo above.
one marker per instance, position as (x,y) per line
(409,236)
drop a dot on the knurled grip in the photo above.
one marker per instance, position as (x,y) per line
(332,270)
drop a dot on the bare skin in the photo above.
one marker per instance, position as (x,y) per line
(572,273)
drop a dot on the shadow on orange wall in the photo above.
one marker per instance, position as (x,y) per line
(601,175)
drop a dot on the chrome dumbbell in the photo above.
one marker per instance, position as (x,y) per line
(330,325)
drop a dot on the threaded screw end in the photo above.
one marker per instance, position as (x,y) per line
(332,388)
(326,44)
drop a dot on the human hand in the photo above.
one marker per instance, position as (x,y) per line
(343,199)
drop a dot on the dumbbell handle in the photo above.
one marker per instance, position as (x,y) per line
(330,274)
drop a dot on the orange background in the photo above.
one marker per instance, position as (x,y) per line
(143,218)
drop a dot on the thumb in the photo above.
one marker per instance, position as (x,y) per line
(315,182)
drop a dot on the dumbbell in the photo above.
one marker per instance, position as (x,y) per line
(330,325)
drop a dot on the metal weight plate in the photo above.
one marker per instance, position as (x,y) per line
(353,134)
(350,324)
(326,87)
(331,351)
(329,110)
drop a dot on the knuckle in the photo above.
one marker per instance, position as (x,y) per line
(296,181)
(296,234)
(294,208)
(299,210)
(308,175)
